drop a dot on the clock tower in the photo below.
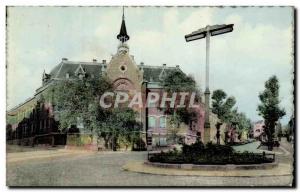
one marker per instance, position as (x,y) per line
(122,69)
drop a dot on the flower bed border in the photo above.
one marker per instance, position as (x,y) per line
(213,167)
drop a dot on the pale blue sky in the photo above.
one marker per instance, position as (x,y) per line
(260,45)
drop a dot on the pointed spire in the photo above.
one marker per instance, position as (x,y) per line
(123,37)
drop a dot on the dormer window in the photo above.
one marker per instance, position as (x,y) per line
(80,75)
(80,72)
(162,73)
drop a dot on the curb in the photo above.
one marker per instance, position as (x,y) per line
(141,167)
(213,167)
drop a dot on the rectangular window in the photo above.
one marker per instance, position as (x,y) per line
(159,141)
(152,105)
(151,121)
(154,141)
(162,122)
(162,141)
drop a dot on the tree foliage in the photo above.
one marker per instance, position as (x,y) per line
(269,108)
(120,124)
(240,118)
(78,100)
(177,81)
(278,130)
(222,105)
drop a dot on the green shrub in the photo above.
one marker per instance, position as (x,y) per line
(218,150)
(194,149)
(78,140)
(197,153)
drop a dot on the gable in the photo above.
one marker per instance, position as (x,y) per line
(122,66)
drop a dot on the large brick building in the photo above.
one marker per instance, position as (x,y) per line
(32,122)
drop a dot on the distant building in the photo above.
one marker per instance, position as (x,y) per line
(258,129)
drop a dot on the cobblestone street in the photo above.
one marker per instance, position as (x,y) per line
(65,168)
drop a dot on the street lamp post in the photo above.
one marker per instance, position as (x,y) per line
(207,32)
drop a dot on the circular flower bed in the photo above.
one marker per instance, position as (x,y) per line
(210,154)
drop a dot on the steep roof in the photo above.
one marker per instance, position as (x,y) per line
(156,73)
(71,68)
(151,73)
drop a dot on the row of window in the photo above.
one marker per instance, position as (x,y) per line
(161,141)
(154,121)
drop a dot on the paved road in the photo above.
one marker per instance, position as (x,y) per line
(104,169)
(250,147)
(284,153)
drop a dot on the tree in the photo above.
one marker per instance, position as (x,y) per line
(278,130)
(222,105)
(119,124)
(269,108)
(177,81)
(77,101)
(288,129)
(243,123)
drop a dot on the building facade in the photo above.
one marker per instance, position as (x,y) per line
(35,123)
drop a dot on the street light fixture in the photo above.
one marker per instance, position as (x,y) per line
(200,34)
(209,30)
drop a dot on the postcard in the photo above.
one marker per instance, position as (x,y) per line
(143,96)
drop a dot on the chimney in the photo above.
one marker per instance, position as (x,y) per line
(95,60)
(64,59)
(142,66)
(103,66)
